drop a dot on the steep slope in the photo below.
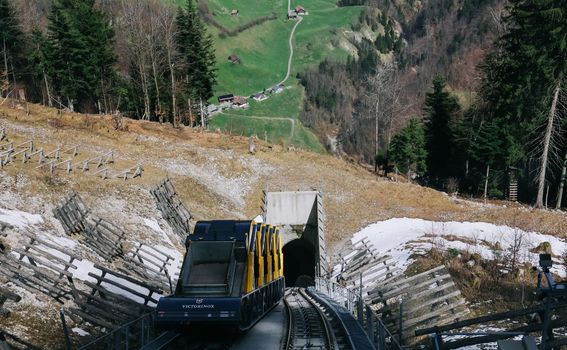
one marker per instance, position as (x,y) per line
(215,177)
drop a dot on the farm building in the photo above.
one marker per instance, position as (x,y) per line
(234,13)
(233,59)
(226,98)
(259,97)
(278,88)
(240,102)
(300,10)
(291,14)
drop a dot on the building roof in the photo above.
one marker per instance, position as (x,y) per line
(299,8)
(226,97)
(240,100)
(233,58)
(259,96)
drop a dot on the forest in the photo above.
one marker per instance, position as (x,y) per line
(465,96)
(481,114)
(146,59)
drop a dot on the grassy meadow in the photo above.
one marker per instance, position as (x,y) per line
(264,51)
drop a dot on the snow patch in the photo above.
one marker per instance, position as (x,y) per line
(80,331)
(153,224)
(19,219)
(401,237)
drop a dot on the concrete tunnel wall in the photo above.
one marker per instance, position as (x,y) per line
(299,216)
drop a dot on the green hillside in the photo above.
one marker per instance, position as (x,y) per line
(263,51)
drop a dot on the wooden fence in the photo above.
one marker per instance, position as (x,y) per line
(368,266)
(100,235)
(522,321)
(427,299)
(171,208)
(149,264)
(403,303)
(38,267)
(113,299)
(53,160)
(5,295)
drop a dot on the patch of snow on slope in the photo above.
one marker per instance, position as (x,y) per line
(400,237)
(80,331)
(153,224)
(19,219)
(172,252)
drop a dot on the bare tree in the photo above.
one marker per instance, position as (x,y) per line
(517,244)
(169,29)
(383,102)
(135,33)
(546,147)
(156,37)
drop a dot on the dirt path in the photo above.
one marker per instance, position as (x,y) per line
(290,50)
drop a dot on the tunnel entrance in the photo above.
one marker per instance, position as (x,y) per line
(299,263)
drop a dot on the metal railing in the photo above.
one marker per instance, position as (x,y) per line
(131,335)
(347,298)
(376,330)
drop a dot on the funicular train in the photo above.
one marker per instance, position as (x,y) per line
(232,273)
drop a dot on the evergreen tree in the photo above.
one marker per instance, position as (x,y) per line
(82,56)
(39,53)
(407,149)
(11,45)
(522,75)
(197,51)
(442,109)
(487,152)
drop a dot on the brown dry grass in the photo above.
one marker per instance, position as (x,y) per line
(353,196)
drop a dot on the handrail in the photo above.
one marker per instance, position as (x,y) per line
(353,303)
(146,321)
(356,335)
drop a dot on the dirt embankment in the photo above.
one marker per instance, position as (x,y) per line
(217,178)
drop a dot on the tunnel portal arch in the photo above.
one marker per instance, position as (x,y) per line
(299,263)
(299,215)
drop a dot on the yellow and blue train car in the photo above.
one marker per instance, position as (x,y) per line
(232,273)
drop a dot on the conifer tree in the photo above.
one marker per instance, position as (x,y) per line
(11,44)
(197,51)
(407,149)
(39,53)
(82,54)
(523,74)
(442,109)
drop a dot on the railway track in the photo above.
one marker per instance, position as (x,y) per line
(310,325)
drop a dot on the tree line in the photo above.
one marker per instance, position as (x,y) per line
(514,129)
(511,130)
(148,59)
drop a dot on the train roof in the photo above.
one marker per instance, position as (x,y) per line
(221,230)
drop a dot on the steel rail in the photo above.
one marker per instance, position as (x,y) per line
(332,342)
(289,323)
(313,319)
